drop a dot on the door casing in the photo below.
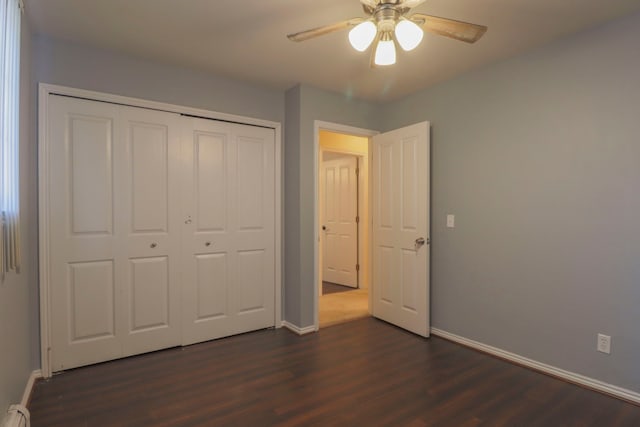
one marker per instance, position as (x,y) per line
(338,128)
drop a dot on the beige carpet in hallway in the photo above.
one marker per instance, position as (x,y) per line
(343,306)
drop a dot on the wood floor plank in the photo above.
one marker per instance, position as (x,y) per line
(365,372)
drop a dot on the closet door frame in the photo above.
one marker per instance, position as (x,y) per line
(44,90)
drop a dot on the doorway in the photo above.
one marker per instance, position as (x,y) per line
(395,265)
(343,235)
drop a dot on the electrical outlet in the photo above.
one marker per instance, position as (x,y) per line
(604,343)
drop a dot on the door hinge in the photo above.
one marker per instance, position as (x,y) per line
(357,171)
(357,267)
(357,219)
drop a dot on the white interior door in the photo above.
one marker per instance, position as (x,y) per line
(112,293)
(228,243)
(340,228)
(400,195)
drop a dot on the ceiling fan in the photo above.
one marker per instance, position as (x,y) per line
(388,24)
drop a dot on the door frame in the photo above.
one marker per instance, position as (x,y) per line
(319,125)
(44,90)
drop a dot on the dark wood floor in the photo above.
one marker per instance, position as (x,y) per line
(362,373)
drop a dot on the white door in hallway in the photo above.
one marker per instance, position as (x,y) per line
(340,229)
(228,243)
(114,262)
(400,246)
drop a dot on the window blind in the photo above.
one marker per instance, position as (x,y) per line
(10,15)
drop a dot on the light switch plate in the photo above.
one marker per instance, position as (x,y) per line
(604,343)
(451,221)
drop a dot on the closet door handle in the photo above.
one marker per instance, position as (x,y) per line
(153,245)
(208,244)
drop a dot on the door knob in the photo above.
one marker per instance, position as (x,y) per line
(153,245)
(324,228)
(208,244)
(419,242)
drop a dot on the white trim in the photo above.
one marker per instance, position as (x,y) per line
(44,90)
(298,330)
(29,386)
(572,377)
(43,233)
(153,105)
(319,125)
(278,250)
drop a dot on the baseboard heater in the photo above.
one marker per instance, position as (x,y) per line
(17,416)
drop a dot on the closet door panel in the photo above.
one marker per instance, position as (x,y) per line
(85,314)
(149,292)
(229,232)
(91,291)
(149,150)
(91,174)
(210,180)
(211,286)
(250,174)
(255,173)
(208,246)
(150,224)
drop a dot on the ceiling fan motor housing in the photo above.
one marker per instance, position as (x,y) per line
(386,16)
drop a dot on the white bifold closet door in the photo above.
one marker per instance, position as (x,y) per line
(114,249)
(228,251)
(155,241)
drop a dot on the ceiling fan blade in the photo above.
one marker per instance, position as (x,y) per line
(368,9)
(371,3)
(409,4)
(320,31)
(458,30)
(374,48)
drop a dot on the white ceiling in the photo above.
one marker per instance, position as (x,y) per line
(246,39)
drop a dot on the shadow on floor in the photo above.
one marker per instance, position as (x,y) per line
(339,304)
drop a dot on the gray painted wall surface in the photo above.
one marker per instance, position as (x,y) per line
(292,301)
(539,159)
(17,333)
(67,64)
(314,104)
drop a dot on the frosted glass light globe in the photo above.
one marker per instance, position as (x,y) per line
(385,53)
(361,36)
(408,34)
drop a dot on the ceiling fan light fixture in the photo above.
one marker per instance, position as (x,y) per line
(386,51)
(361,36)
(408,34)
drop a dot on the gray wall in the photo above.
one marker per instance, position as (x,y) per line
(305,105)
(539,159)
(17,291)
(292,288)
(72,65)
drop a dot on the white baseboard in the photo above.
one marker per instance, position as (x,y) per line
(298,330)
(29,387)
(612,390)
